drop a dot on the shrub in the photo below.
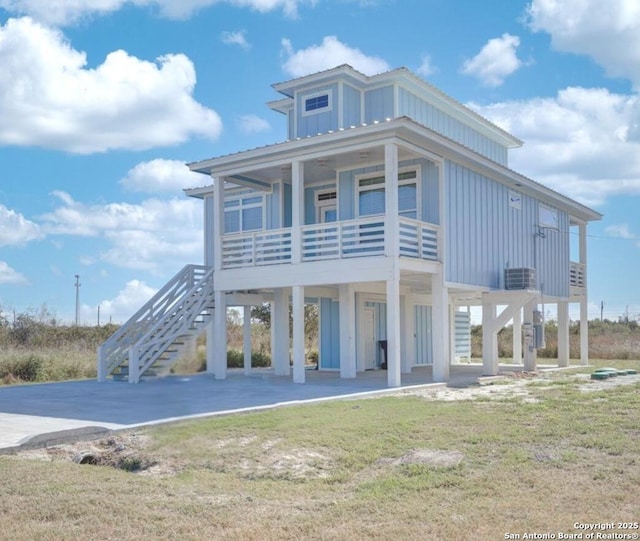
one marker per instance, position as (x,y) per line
(259,359)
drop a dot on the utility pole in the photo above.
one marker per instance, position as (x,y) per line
(77,285)
(98,315)
(601,310)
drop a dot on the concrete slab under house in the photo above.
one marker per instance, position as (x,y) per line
(392,207)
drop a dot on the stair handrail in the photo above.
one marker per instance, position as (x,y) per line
(115,349)
(171,325)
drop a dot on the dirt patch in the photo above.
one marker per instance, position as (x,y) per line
(124,451)
(250,457)
(509,388)
(429,457)
(520,385)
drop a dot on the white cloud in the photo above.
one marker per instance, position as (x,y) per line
(426,67)
(331,53)
(236,38)
(584,142)
(144,236)
(126,303)
(66,12)
(495,61)
(620,231)
(10,276)
(161,176)
(15,229)
(253,124)
(608,32)
(48,98)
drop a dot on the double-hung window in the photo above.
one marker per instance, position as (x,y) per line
(243,214)
(371,200)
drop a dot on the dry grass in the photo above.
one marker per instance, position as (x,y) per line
(402,467)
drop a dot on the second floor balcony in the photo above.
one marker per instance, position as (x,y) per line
(362,237)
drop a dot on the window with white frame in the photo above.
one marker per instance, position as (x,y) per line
(547,217)
(371,195)
(243,214)
(319,102)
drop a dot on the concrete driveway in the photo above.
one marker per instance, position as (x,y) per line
(49,413)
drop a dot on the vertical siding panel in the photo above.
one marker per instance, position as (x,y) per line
(346,196)
(287,205)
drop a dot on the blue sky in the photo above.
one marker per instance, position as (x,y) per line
(103,101)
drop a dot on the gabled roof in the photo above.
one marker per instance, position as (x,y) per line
(407,78)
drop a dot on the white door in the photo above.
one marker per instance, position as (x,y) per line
(369,339)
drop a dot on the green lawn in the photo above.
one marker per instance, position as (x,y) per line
(365,469)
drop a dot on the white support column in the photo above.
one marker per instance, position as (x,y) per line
(298,334)
(347,308)
(220,336)
(407,325)
(563,333)
(211,339)
(489,338)
(440,327)
(392,217)
(280,332)
(218,222)
(297,209)
(530,352)
(517,337)
(393,332)
(584,300)
(452,334)
(246,339)
(391,250)
(209,229)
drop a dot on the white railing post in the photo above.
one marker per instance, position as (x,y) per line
(134,365)
(297,209)
(102,365)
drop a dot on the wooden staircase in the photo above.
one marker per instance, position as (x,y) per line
(154,338)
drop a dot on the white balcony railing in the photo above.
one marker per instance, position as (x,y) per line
(576,274)
(326,241)
(256,248)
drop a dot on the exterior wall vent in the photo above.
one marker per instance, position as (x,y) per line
(523,278)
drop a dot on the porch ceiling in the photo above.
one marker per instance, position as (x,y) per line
(322,167)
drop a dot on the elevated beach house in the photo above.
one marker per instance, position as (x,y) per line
(391,206)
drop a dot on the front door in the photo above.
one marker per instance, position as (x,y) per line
(369,339)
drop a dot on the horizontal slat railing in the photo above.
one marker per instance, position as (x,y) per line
(337,240)
(326,241)
(418,239)
(576,274)
(256,248)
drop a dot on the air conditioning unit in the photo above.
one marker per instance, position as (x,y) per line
(523,278)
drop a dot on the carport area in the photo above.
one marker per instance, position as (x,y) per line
(49,413)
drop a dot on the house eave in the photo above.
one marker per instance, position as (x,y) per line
(400,129)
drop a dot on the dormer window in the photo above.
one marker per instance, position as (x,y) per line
(319,102)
